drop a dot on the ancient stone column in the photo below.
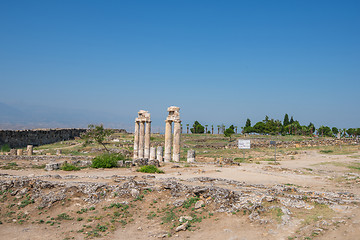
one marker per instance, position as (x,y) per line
(159,154)
(29,150)
(168,129)
(191,156)
(19,152)
(176,145)
(152,153)
(147,139)
(136,140)
(141,139)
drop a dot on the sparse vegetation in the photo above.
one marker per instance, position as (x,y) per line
(69,167)
(149,169)
(5,148)
(107,160)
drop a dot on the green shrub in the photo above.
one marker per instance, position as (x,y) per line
(5,148)
(107,160)
(326,151)
(69,167)
(150,169)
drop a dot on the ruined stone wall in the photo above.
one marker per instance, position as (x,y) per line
(22,138)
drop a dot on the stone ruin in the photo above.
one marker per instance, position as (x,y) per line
(142,135)
(143,153)
(174,116)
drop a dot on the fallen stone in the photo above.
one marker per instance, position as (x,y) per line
(134,193)
(182,227)
(185,218)
(199,204)
(52,166)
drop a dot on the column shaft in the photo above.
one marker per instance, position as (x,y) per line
(176,146)
(136,140)
(141,139)
(147,140)
(168,128)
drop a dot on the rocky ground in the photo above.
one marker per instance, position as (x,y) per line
(307,195)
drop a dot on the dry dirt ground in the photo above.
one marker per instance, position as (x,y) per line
(152,214)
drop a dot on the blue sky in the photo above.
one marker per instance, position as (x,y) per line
(219,61)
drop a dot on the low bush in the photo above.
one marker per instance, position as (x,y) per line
(150,169)
(69,167)
(107,160)
(5,148)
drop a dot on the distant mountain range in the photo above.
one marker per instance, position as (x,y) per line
(30,117)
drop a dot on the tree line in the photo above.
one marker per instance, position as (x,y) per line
(275,127)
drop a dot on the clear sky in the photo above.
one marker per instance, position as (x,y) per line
(219,61)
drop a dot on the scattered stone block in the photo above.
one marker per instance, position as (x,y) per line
(154,162)
(199,204)
(29,150)
(12,152)
(19,152)
(191,156)
(52,166)
(182,227)
(134,193)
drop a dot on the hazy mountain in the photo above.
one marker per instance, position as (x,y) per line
(30,116)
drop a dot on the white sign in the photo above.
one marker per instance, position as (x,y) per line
(243,144)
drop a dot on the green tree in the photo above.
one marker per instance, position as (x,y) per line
(291,120)
(230,131)
(248,123)
(247,128)
(311,128)
(197,128)
(335,130)
(96,133)
(286,120)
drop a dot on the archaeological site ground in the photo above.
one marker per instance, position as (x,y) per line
(311,191)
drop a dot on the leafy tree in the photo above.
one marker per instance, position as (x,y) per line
(248,123)
(286,120)
(230,131)
(351,132)
(96,133)
(291,120)
(311,128)
(197,128)
(335,130)
(325,131)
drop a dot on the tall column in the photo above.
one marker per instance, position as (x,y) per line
(136,140)
(176,146)
(147,140)
(159,154)
(141,139)
(168,128)
(152,153)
